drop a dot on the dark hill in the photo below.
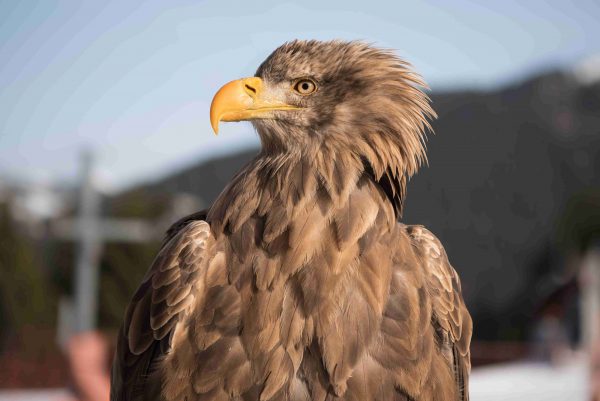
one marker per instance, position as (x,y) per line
(502,167)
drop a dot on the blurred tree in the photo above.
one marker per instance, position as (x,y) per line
(25,298)
(122,268)
(123,265)
(579,227)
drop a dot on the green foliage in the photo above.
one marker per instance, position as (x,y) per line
(139,203)
(25,297)
(579,226)
(123,265)
(122,268)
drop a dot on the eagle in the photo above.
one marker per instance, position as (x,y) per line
(300,282)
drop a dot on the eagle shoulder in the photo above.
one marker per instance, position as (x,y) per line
(450,317)
(163,299)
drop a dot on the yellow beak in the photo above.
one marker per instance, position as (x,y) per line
(243,99)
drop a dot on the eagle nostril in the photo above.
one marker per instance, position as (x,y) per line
(251,91)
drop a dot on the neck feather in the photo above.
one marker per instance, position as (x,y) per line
(277,184)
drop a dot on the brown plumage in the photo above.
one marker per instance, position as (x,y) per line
(299,283)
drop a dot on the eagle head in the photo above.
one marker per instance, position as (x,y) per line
(347,98)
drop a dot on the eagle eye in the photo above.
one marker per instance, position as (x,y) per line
(305,86)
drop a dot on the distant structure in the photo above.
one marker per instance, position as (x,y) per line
(90,231)
(502,166)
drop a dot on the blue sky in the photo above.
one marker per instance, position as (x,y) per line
(134,80)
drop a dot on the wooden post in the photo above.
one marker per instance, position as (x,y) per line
(590,298)
(89,247)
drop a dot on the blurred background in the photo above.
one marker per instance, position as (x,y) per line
(105,141)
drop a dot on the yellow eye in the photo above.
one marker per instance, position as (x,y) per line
(305,86)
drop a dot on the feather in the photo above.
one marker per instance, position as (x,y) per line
(298,283)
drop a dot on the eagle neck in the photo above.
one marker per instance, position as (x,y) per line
(281,184)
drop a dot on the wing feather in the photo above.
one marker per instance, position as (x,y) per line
(157,306)
(450,314)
